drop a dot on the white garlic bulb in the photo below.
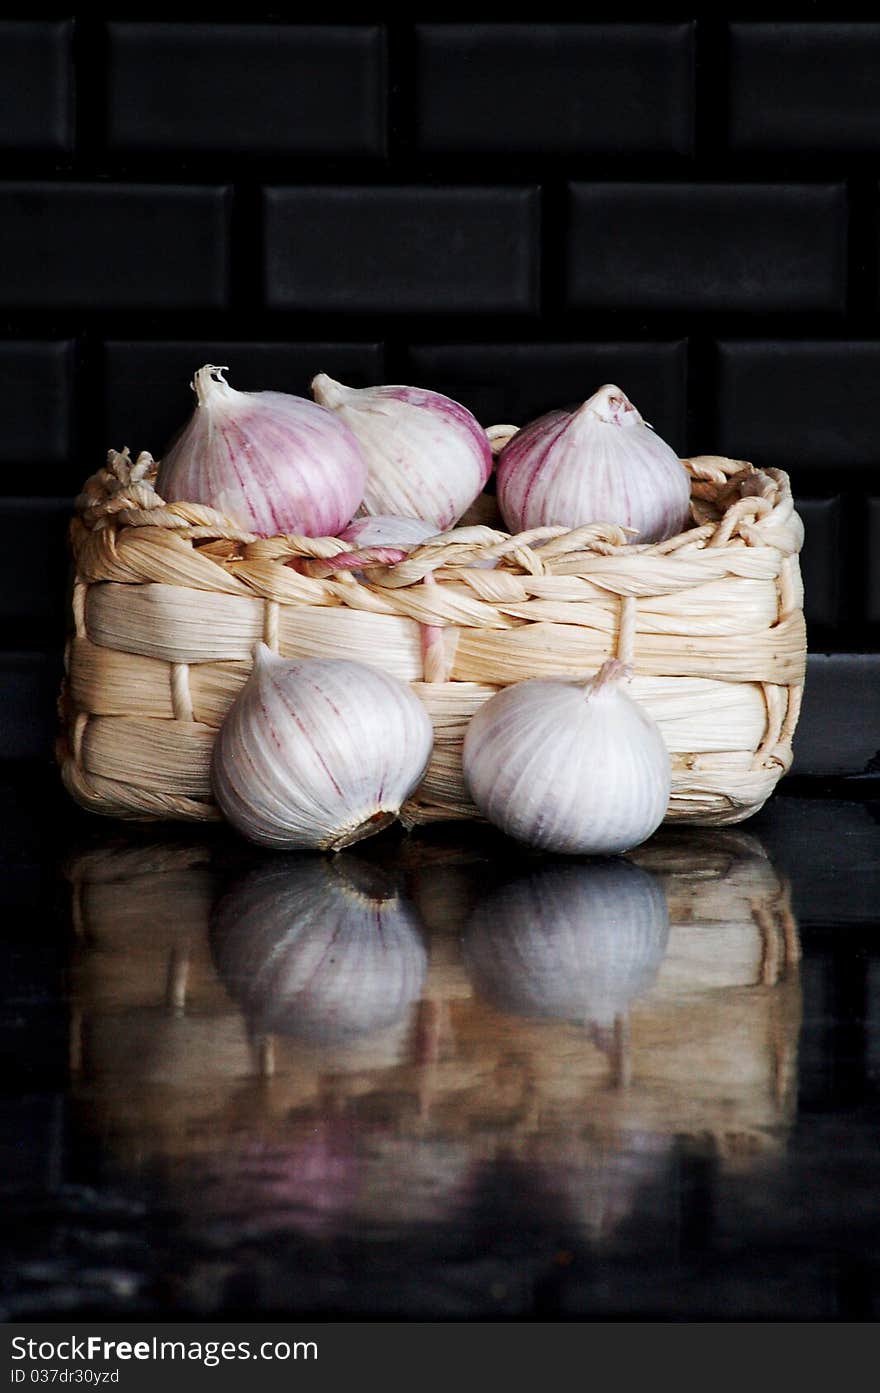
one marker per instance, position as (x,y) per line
(322,951)
(317,754)
(600,463)
(574,767)
(271,462)
(577,942)
(427,456)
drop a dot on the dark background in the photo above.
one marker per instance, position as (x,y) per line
(514,214)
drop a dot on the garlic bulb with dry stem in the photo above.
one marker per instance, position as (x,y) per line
(600,463)
(271,462)
(317,754)
(574,767)
(427,456)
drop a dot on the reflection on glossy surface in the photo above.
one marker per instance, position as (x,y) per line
(321,949)
(284,1050)
(577,941)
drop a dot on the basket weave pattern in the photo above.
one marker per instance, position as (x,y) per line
(170,599)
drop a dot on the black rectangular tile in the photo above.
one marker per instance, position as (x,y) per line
(431,249)
(28,720)
(36,83)
(807,86)
(802,406)
(796,831)
(34,564)
(548,89)
(146,388)
(821,559)
(515,382)
(36,395)
(113,246)
(750,248)
(839,727)
(873,590)
(231,89)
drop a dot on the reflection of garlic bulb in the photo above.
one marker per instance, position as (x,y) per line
(598,1183)
(578,942)
(316,950)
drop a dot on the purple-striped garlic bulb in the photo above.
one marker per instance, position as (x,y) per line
(598,464)
(573,767)
(316,754)
(271,462)
(427,456)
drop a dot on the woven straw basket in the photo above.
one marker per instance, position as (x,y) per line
(169,601)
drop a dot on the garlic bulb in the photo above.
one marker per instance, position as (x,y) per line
(600,463)
(318,754)
(427,456)
(393,536)
(321,951)
(272,463)
(575,767)
(575,942)
(384,531)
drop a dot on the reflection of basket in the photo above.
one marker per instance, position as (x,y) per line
(170,600)
(707,1050)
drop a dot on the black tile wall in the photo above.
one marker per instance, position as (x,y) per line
(555,88)
(36,88)
(517,381)
(745,248)
(802,406)
(808,86)
(397,250)
(33,569)
(819,568)
(113,246)
(684,203)
(230,89)
(29,683)
(36,401)
(839,727)
(874,564)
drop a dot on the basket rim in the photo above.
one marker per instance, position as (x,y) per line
(734,504)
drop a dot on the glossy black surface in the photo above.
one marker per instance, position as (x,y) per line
(440,1078)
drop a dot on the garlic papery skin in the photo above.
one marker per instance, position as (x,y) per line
(393,536)
(427,456)
(322,951)
(579,768)
(573,941)
(319,753)
(384,531)
(270,462)
(598,464)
